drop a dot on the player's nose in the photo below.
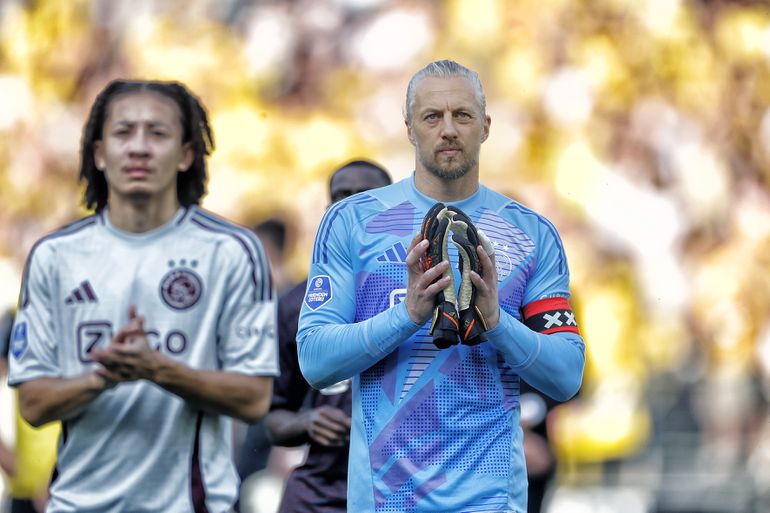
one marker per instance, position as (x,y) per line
(448,126)
(138,144)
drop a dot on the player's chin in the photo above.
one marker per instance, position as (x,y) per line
(452,170)
(139,193)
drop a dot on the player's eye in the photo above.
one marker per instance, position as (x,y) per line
(463,115)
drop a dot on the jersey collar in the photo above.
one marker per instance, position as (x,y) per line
(424,202)
(155,233)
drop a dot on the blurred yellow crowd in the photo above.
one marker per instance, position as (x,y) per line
(639,127)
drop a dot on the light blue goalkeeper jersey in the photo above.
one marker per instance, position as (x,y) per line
(435,430)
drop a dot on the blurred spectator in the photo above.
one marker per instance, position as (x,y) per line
(540,457)
(277,234)
(29,464)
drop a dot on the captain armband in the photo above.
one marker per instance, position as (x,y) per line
(550,315)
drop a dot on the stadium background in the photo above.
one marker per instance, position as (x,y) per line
(639,127)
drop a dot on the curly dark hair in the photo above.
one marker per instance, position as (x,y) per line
(190,185)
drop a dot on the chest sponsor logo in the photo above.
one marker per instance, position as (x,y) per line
(98,335)
(181,288)
(93,335)
(397,296)
(319,292)
(19,340)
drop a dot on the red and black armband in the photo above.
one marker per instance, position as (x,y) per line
(550,315)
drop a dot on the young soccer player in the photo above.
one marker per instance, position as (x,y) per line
(145,325)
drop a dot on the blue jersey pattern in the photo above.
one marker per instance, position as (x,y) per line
(433,430)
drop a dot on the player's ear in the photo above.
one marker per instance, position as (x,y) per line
(409,133)
(99,155)
(188,156)
(485,131)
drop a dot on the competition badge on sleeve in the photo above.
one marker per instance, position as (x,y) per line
(319,292)
(19,340)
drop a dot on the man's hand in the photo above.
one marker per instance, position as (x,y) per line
(487,299)
(7,460)
(328,426)
(422,286)
(538,454)
(129,356)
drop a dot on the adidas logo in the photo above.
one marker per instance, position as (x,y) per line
(396,254)
(84,293)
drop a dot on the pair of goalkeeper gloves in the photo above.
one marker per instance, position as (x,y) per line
(456,318)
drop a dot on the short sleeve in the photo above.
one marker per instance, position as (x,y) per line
(33,352)
(247,339)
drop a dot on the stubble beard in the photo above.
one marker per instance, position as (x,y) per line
(452,170)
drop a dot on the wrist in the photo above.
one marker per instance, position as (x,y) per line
(413,317)
(494,319)
(160,369)
(306,420)
(97,383)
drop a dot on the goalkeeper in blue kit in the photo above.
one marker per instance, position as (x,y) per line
(438,296)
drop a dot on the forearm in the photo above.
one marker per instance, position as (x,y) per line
(333,352)
(287,428)
(227,393)
(551,363)
(46,400)
(7,460)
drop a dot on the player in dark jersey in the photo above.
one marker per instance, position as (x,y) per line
(300,414)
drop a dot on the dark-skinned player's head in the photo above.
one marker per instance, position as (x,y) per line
(356,176)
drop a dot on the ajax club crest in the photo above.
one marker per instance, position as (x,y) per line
(181,288)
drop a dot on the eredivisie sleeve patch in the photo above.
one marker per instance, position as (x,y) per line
(550,315)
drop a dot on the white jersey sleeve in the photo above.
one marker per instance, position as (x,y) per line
(246,331)
(33,340)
